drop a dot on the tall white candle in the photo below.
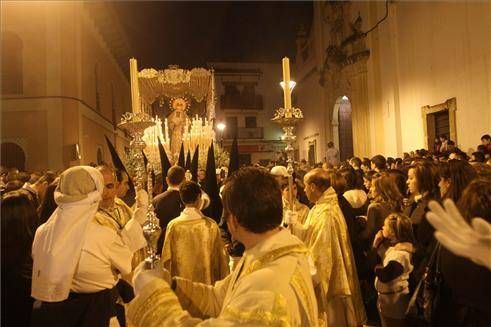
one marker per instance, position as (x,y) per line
(166,131)
(135,92)
(286,79)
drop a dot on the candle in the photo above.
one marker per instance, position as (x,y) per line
(135,93)
(166,131)
(286,79)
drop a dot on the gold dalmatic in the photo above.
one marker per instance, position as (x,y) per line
(193,249)
(326,235)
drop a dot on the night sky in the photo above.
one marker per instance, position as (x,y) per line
(194,33)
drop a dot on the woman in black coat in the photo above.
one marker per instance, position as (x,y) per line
(422,184)
(465,297)
(19,223)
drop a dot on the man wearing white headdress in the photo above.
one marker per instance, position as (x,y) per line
(77,261)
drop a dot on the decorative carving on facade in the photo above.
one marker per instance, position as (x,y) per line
(342,51)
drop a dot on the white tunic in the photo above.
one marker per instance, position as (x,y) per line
(105,254)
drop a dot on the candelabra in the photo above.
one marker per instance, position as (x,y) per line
(288,118)
(135,124)
(151,227)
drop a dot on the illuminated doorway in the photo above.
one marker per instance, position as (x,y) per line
(439,120)
(312,152)
(342,127)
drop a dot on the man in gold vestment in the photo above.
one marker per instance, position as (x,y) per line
(271,284)
(193,248)
(113,212)
(326,235)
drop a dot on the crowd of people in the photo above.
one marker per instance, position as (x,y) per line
(348,244)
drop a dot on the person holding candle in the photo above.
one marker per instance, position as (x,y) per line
(325,234)
(271,285)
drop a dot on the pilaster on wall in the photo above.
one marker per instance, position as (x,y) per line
(357,75)
(54,85)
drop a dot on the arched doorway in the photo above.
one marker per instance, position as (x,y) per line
(13,156)
(342,127)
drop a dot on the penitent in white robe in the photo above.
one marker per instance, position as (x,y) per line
(271,285)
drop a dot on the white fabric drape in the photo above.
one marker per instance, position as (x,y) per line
(57,244)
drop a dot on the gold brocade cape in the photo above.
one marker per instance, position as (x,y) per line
(116,218)
(326,236)
(193,248)
(300,208)
(271,286)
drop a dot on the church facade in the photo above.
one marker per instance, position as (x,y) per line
(63,84)
(388,77)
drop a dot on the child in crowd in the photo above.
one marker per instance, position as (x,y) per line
(394,245)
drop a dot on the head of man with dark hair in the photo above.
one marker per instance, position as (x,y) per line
(486,139)
(476,200)
(378,163)
(316,182)
(123,183)
(252,205)
(38,189)
(366,164)
(355,162)
(190,194)
(390,162)
(175,176)
(478,157)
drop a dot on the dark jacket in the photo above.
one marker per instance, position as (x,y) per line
(168,205)
(16,295)
(465,298)
(354,229)
(423,232)
(376,214)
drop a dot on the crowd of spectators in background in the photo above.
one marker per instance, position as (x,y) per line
(383,200)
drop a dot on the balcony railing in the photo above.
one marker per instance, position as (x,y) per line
(244,133)
(238,102)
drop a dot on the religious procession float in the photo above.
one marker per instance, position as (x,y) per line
(180,105)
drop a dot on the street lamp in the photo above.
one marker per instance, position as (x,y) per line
(221,127)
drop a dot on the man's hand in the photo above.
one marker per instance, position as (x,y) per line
(140,213)
(291,217)
(142,276)
(453,232)
(141,199)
